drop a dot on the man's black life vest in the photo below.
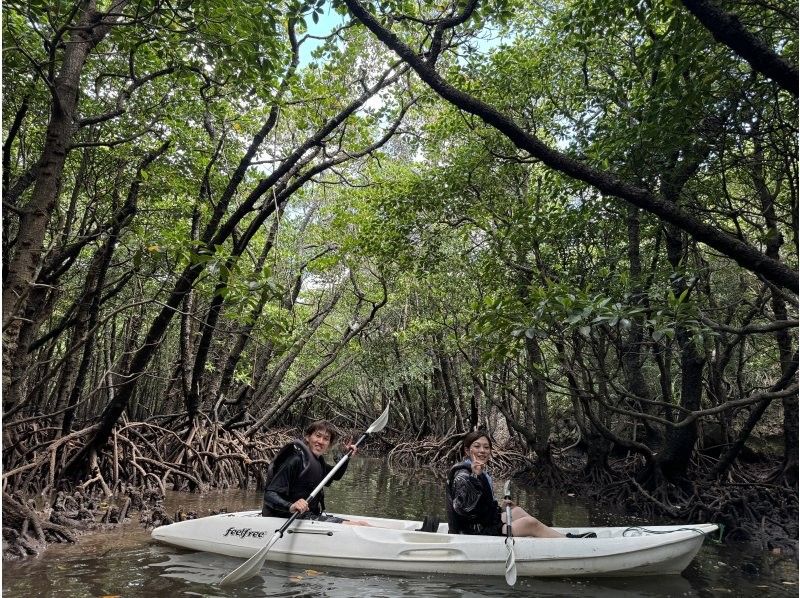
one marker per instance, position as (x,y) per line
(312,473)
(486,514)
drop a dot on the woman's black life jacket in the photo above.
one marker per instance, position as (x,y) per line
(486,514)
(312,473)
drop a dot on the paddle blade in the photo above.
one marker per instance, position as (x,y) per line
(511,564)
(380,423)
(251,566)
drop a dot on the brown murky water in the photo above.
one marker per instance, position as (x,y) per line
(126,563)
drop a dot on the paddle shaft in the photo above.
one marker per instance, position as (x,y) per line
(511,561)
(508,516)
(325,480)
(254,563)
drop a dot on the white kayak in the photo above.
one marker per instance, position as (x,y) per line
(393,546)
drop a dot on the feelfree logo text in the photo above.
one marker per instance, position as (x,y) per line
(244,532)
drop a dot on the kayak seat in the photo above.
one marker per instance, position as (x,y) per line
(583,535)
(429,524)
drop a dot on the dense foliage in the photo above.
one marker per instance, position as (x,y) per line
(572,223)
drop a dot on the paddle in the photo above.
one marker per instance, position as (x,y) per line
(511,563)
(253,565)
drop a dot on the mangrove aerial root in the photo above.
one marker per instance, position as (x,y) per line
(132,475)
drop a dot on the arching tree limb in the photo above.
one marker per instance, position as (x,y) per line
(744,254)
(727,29)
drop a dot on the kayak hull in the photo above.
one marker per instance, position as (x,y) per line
(393,546)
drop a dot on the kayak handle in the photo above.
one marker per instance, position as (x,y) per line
(311,531)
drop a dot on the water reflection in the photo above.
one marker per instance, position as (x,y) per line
(278,579)
(126,563)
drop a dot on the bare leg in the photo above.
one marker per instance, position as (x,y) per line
(523,524)
(357,523)
(518,513)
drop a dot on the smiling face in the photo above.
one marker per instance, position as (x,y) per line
(480,451)
(318,441)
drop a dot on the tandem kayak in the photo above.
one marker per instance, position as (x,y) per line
(393,546)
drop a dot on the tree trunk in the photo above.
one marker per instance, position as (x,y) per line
(536,400)
(91,28)
(634,348)
(679,445)
(783,338)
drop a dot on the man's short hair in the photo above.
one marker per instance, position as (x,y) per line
(324,426)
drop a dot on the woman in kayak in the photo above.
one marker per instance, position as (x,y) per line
(296,470)
(471,507)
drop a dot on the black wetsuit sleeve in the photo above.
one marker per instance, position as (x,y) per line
(467,493)
(276,493)
(338,475)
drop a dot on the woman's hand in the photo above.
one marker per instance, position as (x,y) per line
(299,506)
(507,502)
(478,467)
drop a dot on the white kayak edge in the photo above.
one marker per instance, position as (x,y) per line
(393,546)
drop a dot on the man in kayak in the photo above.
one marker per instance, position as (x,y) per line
(296,470)
(471,506)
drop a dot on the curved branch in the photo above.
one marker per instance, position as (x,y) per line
(123,97)
(12,134)
(727,29)
(744,254)
(445,24)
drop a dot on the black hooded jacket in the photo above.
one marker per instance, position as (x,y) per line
(471,507)
(294,473)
